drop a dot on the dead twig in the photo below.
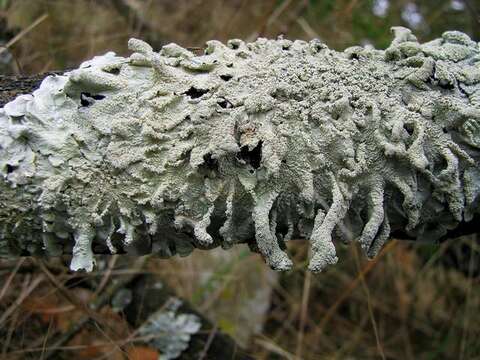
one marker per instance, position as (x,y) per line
(98,302)
(24,32)
(303,312)
(361,276)
(25,293)
(10,278)
(352,286)
(210,338)
(11,330)
(107,275)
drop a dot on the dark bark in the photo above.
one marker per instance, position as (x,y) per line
(12,86)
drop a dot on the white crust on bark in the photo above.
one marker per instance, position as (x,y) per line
(167,151)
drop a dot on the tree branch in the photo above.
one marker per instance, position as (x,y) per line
(259,143)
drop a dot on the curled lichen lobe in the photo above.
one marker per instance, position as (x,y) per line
(271,140)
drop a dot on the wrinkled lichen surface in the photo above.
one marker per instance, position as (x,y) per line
(272,140)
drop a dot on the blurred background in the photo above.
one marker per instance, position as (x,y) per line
(414,301)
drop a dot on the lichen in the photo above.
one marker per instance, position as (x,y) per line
(272,140)
(169,331)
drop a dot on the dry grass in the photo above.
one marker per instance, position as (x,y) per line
(402,305)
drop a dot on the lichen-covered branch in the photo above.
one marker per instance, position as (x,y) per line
(263,142)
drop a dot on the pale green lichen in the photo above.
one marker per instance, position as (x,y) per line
(271,140)
(169,330)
